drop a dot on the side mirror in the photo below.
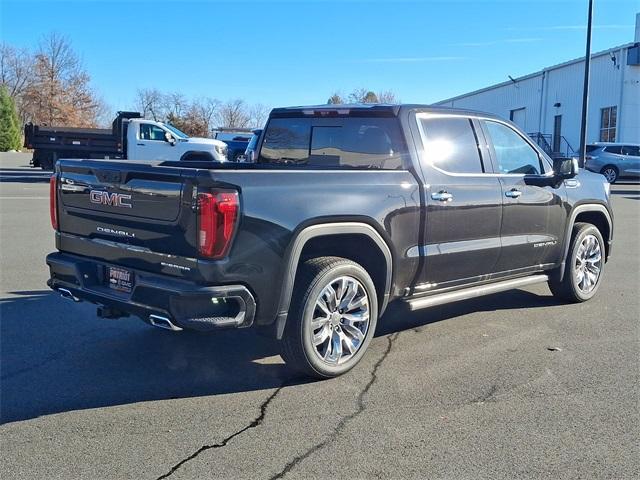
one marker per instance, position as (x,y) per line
(170,138)
(565,167)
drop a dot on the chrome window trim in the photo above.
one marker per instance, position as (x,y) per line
(428,115)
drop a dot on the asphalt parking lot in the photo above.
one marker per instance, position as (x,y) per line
(514,385)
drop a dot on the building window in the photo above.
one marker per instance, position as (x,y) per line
(608,123)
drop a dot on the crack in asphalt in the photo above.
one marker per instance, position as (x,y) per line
(256,422)
(489,396)
(343,422)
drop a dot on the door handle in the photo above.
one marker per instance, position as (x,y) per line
(513,193)
(140,144)
(442,196)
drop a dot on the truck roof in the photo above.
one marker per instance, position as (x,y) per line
(368,109)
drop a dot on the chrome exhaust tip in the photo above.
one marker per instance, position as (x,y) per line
(64,293)
(163,322)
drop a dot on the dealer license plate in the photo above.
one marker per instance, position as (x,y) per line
(120,279)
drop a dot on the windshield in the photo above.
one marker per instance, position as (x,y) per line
(253,142)
(176,131)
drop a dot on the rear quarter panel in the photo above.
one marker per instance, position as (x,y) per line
(278,204)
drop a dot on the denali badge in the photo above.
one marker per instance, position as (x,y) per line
(111,231)
(113,199)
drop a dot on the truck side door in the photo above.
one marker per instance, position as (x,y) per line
(533,217)
(463,202)
(150,143)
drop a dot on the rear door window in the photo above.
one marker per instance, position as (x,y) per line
(615,149)
(451,144)
(631,150)
(369,143)
(286,141)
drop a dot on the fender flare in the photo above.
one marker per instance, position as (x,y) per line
(587,207)
(292,258)
(199,153)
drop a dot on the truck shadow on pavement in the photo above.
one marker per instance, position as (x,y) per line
(58,356)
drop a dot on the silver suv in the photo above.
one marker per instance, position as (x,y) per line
(614,160)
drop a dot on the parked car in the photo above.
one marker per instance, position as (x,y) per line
(251,152)
(614,160)
(347,209)
(130,137)
(236,140)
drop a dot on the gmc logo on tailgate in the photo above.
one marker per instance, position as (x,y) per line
(112,199)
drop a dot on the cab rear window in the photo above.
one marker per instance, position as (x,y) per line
(369,143)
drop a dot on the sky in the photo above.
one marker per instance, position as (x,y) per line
(300,52)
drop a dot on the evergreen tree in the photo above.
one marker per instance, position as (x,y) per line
(10,138)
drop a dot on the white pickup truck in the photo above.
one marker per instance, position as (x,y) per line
(130,137)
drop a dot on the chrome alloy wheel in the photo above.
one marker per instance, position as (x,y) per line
(340,320)
(588,264)
(610,174)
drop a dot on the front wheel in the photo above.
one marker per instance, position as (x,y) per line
(333,317)
(584,265)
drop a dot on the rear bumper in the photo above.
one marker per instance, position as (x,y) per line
(184,303)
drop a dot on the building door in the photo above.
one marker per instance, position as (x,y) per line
(519,117)
(557,133)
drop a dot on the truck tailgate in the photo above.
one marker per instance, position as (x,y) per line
(135,213)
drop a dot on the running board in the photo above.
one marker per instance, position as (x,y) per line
(473,292)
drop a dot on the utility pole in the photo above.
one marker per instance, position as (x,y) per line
(585,90)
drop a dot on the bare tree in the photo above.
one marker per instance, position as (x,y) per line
(205,110)
(175,105)
(364,95)
(197,121)
(258,114)
(149,102)
(16,69)
(16,75)
(335,99)
(387,96)
(233,114)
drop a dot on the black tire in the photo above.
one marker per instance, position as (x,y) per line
(568,288)
(610,172)
(314,276)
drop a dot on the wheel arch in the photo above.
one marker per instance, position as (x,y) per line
(322,240)
(595,214)
(196,153)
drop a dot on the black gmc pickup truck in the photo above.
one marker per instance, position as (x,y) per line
(346,209)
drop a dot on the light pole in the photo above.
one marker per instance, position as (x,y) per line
(585,90)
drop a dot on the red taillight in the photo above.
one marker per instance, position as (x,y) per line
(53,201)
(217,215)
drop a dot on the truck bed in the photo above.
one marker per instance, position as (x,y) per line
(68,138)
(158,232)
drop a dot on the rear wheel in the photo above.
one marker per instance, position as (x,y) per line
(584,265)
(333,317)
(610,173)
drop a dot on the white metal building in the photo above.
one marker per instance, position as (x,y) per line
(548,104)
